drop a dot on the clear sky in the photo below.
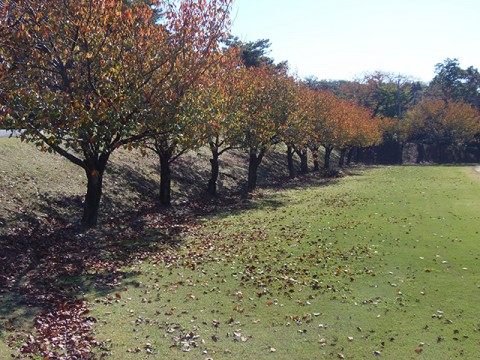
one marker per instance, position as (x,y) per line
(341,39)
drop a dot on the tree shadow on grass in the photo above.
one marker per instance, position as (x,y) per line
(38,260)
(268,195)
(50,259)
(49,266)
(125,182)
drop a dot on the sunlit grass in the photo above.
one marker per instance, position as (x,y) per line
(380,263)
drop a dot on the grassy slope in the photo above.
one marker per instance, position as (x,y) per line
(292,274)
(33,184)
(38,189)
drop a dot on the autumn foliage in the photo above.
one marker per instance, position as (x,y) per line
(87,77)
(82,78)
(444,122)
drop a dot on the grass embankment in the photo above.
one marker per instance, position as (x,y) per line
(36,185)
(382,263)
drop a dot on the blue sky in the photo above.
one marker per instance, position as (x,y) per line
(341,39)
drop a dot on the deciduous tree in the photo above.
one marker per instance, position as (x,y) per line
(443,123)
(197,27)
(219,103)
(298,135)
(341,124)
(73,75)
(266,95)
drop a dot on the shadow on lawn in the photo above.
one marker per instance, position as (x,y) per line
(47,267)
(51,260)
(47,259)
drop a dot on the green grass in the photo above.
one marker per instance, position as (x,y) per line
(384,261)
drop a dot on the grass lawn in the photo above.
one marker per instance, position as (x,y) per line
(380,263)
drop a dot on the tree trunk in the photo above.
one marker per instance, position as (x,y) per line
(92,198)
(328,152)
(401,147)
(291,165)
(94,169)
(349,156)
(304,162)
(253,164)
(343,153)
(316,163)
(442,152)
(359,155)
(303,155)
(214,171)
(165,178)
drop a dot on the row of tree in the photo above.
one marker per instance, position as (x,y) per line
(85,78)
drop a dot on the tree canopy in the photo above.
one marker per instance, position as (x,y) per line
(85,78)
(452,83)
(82,77)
